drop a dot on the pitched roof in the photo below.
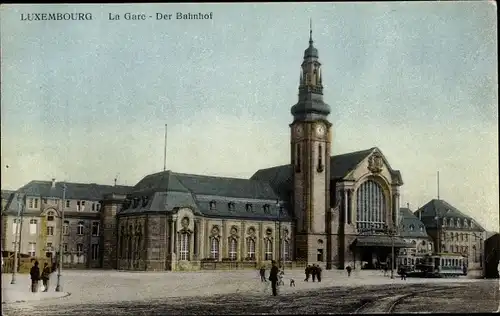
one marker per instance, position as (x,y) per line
(6,194)
(441,209)
(74,191)
(170,190)
(280,177)
(408,221)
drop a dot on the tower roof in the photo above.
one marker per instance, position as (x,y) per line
(311,51)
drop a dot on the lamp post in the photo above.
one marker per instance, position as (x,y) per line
(61,233)
(392,233)
(16,239)
(280,257)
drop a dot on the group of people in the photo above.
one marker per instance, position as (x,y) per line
(314,271)
(275,276)
(44,276)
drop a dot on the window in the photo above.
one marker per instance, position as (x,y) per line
(95,251)
(249,207)
(50,216)
(33,225)
(98,206)
(79,249)
(93,206)
(451,222)
(44,201)
(286,250)
(78,206)
(214,249)
(267,208)
(67,203)
(32,249)
(15,226)
(371,205)
(320,159)
(49,247)
(30,203)
(50,230)
(268,249)
(233,249)
(79,229)
(66,228)
(298,162)
(475,253)
(83,206)
(212,205)
(421,228)
(465,223)
(466,237)
(36,203)
(95,228)
(251,249)
(458,223)
(412,227)
(65,247)
(184,251)
(444,222)
(230,206)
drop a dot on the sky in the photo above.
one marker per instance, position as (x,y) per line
(87,101)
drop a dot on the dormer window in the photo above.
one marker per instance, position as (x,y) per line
(451,222)
(465,223)
(230,206)
(145,201)
(136,202)
(421,228)
(444,222)
(266,208)
(212,205)
(248,207)
(412,227)
(471,224)
(458,223)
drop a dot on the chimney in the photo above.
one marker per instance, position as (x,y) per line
(53,182)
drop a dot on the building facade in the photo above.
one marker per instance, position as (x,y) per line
(453,232)
(414,233)
(39,227)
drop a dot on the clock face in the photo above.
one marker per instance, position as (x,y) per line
(320,130)
(299,130)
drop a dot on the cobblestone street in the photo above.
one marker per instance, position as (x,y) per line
(459,297)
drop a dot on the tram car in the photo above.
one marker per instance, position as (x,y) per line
(407,262)
(440,265)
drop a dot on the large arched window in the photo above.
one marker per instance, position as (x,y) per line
(184,246)
(233,248)
(214,248)
(371,205)
(250,248)
(268,249)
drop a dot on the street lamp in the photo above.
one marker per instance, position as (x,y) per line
(61,233)
(392,233)
(16,239)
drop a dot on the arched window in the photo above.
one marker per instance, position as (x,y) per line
(298,162)
(250,248)
(79,229)
(371,205)
(184,246)
(286,250)
(456,236)
(214,248)
(268,249)
(475,253)
(233,248)
(50,216)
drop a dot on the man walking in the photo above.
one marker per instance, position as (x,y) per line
(273,277)
(262,274)
(308,273)
(46,276)
(35,277)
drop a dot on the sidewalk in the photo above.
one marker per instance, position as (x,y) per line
(21,291)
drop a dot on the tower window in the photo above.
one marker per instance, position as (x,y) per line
(298,160)
(321,167)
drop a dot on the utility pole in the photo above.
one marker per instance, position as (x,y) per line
(16,239)
(61,233)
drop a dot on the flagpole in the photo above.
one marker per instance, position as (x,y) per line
(165,150)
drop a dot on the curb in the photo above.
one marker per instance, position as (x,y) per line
(47,299)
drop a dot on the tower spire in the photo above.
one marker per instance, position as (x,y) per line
(310,32)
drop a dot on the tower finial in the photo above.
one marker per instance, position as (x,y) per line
(310,31)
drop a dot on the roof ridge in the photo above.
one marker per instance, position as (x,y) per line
(214,177)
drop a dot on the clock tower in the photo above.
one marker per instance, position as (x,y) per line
(310,158)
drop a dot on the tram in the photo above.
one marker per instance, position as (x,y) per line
(436,265)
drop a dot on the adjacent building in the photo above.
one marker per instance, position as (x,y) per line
(453,232)
(414,233)
(39,226)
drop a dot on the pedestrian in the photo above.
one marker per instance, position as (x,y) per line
(348,269)
(313,272)
(318,273)
(386,269)
(46,276)
(273,277)
(263,274)
(35,277)
(308,273)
